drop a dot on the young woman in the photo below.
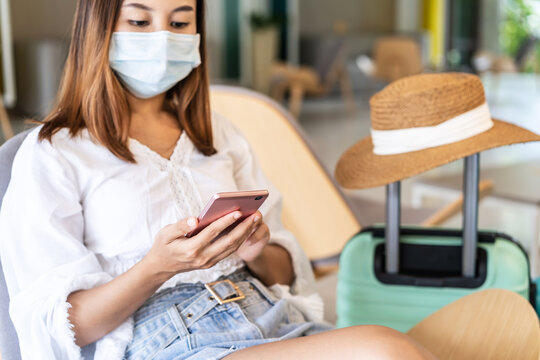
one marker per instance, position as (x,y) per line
(103,192)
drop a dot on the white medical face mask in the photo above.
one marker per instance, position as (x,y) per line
(148,64)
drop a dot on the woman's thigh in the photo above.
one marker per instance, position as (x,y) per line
(357,342)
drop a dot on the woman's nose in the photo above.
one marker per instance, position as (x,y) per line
(160,23)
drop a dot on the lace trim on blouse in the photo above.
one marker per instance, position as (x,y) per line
(186,196)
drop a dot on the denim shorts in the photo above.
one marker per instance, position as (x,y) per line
(188,321)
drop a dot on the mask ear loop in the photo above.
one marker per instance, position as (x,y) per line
(173,103)
(174,100)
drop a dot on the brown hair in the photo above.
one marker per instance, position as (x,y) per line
(91,96)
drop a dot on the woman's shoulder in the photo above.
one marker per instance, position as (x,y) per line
(62,141)
(224,131)
(219,123)
(63,147)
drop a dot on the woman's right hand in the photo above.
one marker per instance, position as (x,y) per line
(173,252)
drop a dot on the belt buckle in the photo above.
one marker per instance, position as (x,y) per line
(220,300)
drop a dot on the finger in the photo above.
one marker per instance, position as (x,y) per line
(220,255)
(179,229)
(235,238)
(197,244)
(257,218)
(246,227)
(252,221)
(260,233)
(214,229)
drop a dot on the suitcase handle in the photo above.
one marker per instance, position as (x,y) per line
(470,213)
(470,219)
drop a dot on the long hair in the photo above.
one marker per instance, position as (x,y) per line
(91,96)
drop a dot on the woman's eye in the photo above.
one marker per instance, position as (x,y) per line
(179,25)
(138,23)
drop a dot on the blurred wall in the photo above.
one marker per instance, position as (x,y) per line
(51,20)
(215,37)
(41,30)
(489,25)
(38,19)
(408,15)
(319,17)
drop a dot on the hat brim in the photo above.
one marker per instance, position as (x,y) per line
(360,168)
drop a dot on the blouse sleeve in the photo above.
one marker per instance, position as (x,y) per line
(250,176)
(42,250)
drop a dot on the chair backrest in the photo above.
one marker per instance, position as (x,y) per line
(397,57)
(324,54)
(314,209)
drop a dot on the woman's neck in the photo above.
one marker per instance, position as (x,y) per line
(153,126)
(154,104)
(149,113)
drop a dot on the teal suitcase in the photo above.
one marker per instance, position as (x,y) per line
(396,276)
(366,295)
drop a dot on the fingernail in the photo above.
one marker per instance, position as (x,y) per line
(191,222)
(256,218)
(237,215)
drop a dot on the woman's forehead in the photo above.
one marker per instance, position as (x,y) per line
(163,5)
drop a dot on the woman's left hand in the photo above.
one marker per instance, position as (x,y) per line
(255,243)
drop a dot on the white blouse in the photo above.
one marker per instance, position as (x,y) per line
(75,216)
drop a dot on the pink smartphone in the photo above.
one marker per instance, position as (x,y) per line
(221,204)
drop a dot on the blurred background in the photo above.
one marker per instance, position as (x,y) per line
(323,60)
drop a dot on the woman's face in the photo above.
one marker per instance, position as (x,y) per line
(178,16)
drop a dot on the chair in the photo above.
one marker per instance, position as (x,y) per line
(484,60)
(396,57)
(317,80)
(9,344)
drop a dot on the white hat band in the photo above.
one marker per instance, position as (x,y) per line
(461,127)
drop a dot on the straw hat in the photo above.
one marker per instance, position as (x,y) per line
(421,122)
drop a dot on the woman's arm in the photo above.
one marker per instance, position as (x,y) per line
(97,311)
(271,263)
(274,265)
